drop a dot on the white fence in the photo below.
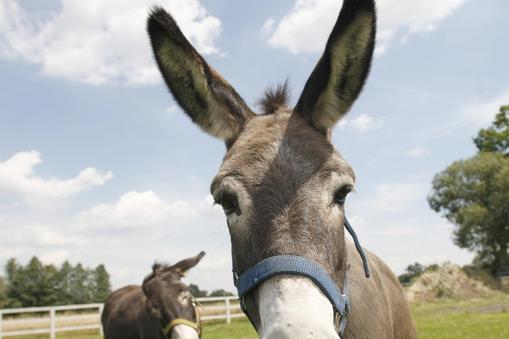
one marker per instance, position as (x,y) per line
(52,320)
(219,308)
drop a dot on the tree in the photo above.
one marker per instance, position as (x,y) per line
(63,286)
(411,272)
(3,295)
(44,285)
(221,293)
(496,137)
(102,285)
(473,194)
(12,269)
(80,285)
(32,285)
(416,270)
(196,292)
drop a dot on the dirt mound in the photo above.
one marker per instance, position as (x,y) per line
(449,281)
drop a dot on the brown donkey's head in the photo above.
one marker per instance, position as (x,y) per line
(282,185)
(169,299)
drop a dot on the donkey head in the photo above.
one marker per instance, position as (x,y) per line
(282,185)
(169,299)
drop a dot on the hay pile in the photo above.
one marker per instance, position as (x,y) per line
(449,281)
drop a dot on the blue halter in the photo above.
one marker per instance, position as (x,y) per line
(296,265)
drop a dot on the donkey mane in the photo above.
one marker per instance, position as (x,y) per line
(156,267)
(274,98)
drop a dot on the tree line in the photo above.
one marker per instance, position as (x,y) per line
(198,293)
(37,284)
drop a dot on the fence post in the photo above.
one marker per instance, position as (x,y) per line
(52,323)
(228,311)
(101,329)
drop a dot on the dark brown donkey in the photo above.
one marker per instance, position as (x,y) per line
(159,309)
(282,184)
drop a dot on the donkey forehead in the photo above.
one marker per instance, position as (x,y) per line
(282,146)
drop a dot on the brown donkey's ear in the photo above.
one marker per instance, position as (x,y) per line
(185,265)
(340,74)
(202,93)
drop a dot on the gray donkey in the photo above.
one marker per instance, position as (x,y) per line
(283,186)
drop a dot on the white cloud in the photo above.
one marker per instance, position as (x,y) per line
(483,112)
(56,257)
(268,26)
(362,123)
(98,41)
(307,26)
(17,176)
(418,152)
(43,235)
(141,209)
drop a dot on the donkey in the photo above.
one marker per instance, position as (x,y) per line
(283,187)
(161,308)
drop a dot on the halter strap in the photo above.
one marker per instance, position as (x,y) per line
(180,321)
(297,265)
(365,264)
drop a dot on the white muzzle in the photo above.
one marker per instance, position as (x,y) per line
(293,307)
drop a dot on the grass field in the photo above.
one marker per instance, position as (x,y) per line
(487,319)
(479,319)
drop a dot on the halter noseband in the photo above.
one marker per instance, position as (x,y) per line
(181,321)
(196,325)
(296,265)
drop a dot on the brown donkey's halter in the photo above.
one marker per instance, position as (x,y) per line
(196,325)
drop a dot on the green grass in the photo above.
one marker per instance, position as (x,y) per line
(65,335)
(239,329)
(474,319)
(486,319)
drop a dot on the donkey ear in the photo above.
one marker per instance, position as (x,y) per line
(185,265)
(202,93)
(340,74)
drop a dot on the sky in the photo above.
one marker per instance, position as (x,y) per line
(99,165)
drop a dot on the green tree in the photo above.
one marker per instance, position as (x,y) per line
(63,285)
(12,268)
(411,272)
(496,137)
(43,285)
(221,293)
(80,284)
(3,293)
(32,285)
(196,292)
(102,285)
(473,194)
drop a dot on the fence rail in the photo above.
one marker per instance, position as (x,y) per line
(56,319)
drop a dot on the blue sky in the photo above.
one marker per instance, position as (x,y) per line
(98,165)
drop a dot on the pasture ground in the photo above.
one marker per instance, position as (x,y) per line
(443,319)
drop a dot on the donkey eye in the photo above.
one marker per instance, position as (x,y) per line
(340,196)
(229,202)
